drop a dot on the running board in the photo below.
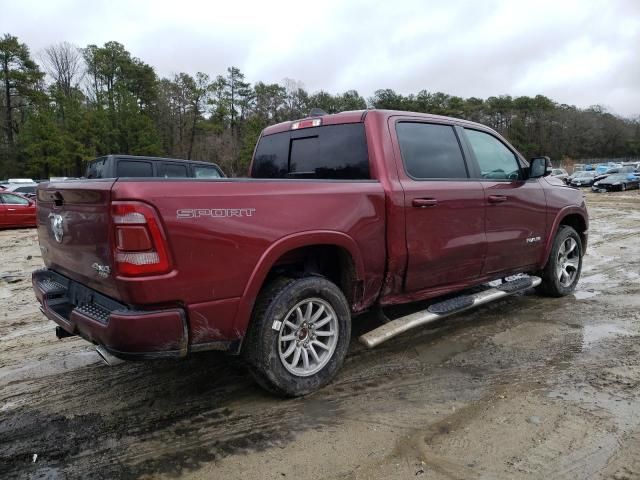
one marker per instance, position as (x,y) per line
(444,309)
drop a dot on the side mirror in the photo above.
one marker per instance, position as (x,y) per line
(539,167)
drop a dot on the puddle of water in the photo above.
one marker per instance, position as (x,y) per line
(584,294)
(596,333)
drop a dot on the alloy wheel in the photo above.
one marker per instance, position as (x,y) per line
(568,262)
(308,337)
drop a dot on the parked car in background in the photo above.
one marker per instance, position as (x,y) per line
(583,179)
(16,210)
(560,173)
(617,182)
(26,189)
(20,180)
(634,165)
(115,166)
(614,170)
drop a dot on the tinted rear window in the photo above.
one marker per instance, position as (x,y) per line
(132,168)
(430,151)
(330,152)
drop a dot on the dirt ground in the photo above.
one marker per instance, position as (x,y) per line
(527,387)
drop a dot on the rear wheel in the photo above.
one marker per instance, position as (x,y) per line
(562,272)
(299,335)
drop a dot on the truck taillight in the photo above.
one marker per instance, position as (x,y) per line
(139,243)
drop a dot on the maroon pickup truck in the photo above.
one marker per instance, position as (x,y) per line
(342,214)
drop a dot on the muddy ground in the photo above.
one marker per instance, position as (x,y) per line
(527,387)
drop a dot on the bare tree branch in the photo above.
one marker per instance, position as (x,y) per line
(64,63)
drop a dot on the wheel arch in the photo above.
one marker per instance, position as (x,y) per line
(571,216)
(301,245)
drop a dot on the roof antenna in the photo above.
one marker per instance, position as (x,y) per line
(317,112)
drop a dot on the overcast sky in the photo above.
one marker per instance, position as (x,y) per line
(580,53)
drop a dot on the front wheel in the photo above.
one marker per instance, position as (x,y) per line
(562,271)
(299,335)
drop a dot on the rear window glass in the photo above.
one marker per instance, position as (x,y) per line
(206,172)
(174,170)
(95,168)
(130,168)
(330,152)
(430,151)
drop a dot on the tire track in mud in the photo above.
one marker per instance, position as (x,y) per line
(169,416)
(148,431)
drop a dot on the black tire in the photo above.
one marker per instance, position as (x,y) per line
(551,283)
(261,346)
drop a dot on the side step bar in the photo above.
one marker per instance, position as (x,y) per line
(444,309)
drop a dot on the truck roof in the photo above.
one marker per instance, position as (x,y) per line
(356,116)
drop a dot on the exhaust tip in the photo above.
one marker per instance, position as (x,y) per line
(62,333)
(107,358)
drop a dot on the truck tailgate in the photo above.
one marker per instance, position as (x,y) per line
(74,231)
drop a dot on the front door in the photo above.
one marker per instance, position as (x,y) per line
(516,208)
(444,208)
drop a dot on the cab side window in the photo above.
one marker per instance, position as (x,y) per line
(9,199)
(496,161)
(430,151)
(174,170)
(134,168)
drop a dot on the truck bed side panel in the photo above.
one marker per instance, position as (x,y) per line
(219,230)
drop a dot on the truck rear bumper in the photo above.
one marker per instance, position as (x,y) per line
(124,332)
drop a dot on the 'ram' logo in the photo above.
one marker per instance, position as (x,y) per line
(57,226)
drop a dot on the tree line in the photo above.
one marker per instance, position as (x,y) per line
(79,103)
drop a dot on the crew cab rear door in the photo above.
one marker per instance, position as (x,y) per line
(444,207)
(516,207)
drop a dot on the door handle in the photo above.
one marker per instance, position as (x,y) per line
(11,209)
(497,198)
(424,202)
